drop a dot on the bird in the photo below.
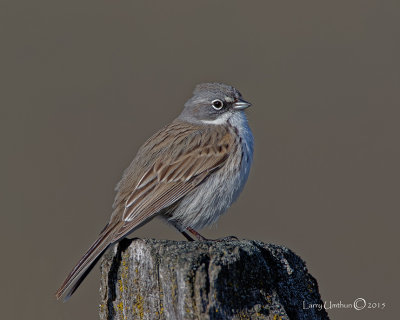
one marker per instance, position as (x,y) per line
(188,173)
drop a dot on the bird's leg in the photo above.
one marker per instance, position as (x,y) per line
(197,235)
(179,228)
(189,238)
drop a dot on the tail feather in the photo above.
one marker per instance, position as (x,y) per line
(82,277)
(85,264)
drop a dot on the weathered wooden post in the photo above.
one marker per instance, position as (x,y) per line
(160,279)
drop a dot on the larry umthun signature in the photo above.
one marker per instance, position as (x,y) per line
(358,304)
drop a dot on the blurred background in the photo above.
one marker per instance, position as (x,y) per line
(85,83)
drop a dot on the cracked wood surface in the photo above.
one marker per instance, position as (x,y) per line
(161,279)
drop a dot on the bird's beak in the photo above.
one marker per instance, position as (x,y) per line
(241,105)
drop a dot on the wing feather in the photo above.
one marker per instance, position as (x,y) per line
(172,177)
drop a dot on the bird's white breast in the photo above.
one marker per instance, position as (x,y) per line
(210,200)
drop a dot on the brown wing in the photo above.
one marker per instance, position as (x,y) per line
(173,175)
(173,172)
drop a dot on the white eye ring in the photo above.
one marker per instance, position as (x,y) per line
(217,104)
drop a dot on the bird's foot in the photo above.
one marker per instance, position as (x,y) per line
(201,238)
(229,238)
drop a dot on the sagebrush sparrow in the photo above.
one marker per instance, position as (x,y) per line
(188,173)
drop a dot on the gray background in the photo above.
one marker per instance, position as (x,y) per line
(84,83)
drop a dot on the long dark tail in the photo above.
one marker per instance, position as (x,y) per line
(86,264)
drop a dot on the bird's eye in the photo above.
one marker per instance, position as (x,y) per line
(217,104)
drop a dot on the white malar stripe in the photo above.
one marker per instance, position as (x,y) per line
(220,120)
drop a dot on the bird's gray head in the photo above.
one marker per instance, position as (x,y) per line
(213,103)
